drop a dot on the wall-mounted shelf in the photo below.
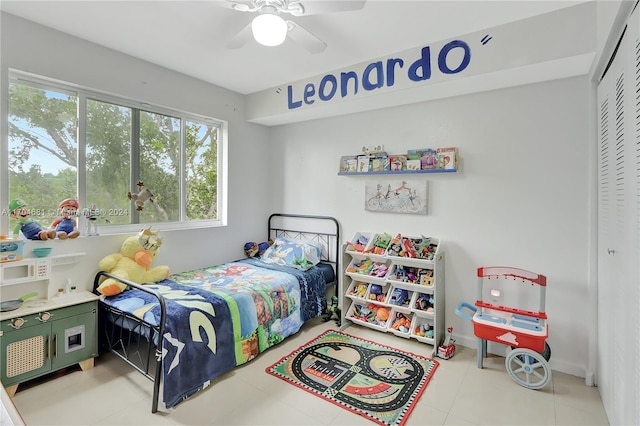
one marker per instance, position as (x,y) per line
(379,162)
(403,172)
(66,259)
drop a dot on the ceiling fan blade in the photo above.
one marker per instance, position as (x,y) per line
(315,7)
(240,5)
(241,38)
(304,38)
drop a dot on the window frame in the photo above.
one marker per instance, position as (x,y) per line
(83,94)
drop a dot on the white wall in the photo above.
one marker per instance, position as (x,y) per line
(520,200)
(36,49)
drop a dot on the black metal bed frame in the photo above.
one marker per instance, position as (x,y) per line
(136,342)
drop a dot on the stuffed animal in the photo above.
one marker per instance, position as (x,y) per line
(333,311)
(65,225)
(133,262)
(253,249)
(30,228)
(144,194)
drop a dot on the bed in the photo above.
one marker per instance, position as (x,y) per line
(222,316)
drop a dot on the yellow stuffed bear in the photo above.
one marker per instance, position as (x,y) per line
(133,263)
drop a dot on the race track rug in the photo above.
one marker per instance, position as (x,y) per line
(378,382)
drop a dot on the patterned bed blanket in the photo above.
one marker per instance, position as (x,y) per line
(223,316)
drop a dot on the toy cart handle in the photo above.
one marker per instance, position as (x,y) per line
(463,314)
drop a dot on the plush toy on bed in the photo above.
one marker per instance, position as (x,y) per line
(133,262)
(253,249)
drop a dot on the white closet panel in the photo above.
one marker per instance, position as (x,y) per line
(619,231)
(607,125)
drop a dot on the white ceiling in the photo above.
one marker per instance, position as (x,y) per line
(190,36)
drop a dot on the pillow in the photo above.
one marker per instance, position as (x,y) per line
(312,243)
(297,254)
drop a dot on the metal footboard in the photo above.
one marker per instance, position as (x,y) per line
(132,339)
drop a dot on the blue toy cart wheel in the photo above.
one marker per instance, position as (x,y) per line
(528,368)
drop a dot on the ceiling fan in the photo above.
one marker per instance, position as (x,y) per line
(269,28)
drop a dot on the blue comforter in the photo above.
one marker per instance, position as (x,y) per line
(223,316)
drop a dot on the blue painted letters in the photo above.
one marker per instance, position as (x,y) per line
(442,57)
(309,91)
(329,78)
(290,102)
(377,75)
(391,75)
(367,84)
(344,80)
(421,69)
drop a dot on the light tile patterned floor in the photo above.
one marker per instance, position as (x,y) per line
(458,394)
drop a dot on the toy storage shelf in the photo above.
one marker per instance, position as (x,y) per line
(411,291)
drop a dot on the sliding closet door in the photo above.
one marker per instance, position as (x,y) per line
(619,231)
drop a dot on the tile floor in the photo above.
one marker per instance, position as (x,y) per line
(458,394)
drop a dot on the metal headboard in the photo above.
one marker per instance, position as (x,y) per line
(324,230)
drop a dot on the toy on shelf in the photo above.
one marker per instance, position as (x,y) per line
(524,331)
(66,225)
(382,313)
(424,330)
(371,313)
(30,228)
(424,302)
(368,267)
(399,296)
(376,293)
(92,215)
(418,248)
(412,275)
(395,246)
(358,290)
(426,277)
(380,244)
(379,270)
(401,323)
(359,243)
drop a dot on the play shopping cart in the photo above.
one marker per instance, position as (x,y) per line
(524,331)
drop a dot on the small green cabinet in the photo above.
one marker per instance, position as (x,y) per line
(42,342)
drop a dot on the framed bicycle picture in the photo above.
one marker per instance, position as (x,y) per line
(396,197)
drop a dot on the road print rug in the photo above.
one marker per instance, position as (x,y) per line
(378,382)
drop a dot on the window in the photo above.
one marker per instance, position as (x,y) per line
(111,154)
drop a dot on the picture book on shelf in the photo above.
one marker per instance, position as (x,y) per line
(429,159)
(363,163)
(379,162)
(397,163)
(447,158)
(348,163)
(414,164)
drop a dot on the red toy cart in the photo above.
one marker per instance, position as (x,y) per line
(523,330)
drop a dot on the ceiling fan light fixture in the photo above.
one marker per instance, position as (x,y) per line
(269,29)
